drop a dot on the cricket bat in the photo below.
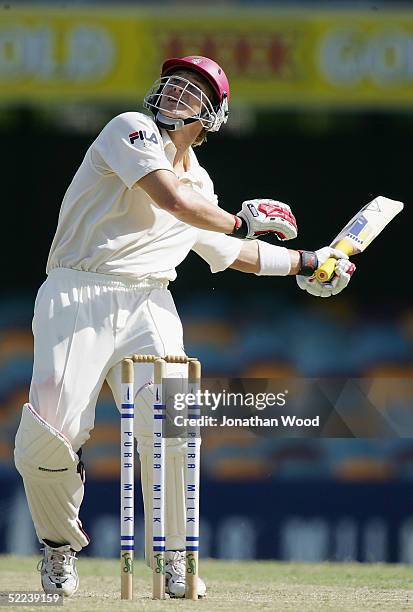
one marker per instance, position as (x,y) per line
(362,229)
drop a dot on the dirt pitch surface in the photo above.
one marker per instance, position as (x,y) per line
(232,586)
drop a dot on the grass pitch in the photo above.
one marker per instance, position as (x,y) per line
(233,586)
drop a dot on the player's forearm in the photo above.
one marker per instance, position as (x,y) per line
(192,208)
(295,262)
(184,203)
(248,259)
(285,261)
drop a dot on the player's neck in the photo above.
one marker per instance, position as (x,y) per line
(183,140)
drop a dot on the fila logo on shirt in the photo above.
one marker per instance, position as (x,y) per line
(142,135)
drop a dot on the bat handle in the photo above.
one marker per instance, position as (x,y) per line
(326,270)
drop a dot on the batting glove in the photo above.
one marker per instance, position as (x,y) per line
(342,274)
(258,217)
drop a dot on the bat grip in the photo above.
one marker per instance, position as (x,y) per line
(326,270)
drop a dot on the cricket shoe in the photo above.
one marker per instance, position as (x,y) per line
(175,561)
(58,570)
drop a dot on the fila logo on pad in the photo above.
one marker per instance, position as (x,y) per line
(142,135)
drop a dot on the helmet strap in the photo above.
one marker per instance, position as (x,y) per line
(167,123)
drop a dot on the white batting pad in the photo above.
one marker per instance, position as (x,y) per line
(54,488)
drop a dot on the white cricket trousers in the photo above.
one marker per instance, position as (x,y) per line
(84,325)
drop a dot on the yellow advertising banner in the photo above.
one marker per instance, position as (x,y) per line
(272,58)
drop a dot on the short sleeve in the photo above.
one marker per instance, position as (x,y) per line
(218,250)
(131,146)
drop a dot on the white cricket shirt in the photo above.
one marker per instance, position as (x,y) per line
(108,224)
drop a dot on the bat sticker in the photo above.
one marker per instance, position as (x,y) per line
(357,226)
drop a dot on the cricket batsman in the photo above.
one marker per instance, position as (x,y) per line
(137,205)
